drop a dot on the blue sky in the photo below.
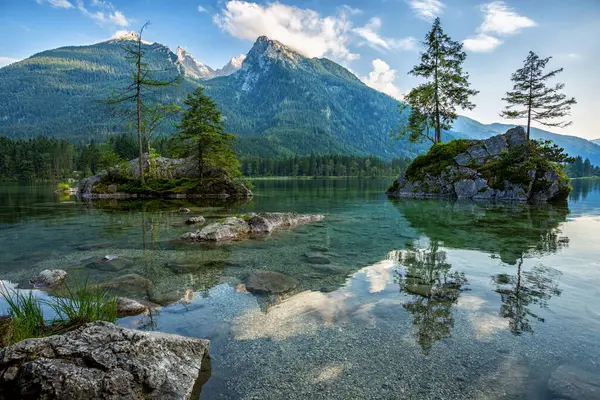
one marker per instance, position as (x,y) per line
(378,39)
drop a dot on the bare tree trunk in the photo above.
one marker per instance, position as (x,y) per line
(139,107)
(530,104)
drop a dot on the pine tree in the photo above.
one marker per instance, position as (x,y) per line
(433,104)
(204,136)
(537,101)
(141,82)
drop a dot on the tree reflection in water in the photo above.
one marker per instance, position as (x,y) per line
(427,276)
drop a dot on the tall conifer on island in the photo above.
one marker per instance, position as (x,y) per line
(204,137)
(433,104)
(535,100)
(141,81)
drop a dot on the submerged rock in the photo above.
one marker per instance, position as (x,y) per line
(103,361)
(235,228)
(195,220)
(269,282)
(127,307)
(500,168)
(571,383)
(231,228)
(48,279)
(269,222)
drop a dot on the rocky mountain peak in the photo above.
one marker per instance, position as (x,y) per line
(266,50)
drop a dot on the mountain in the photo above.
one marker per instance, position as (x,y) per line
(596,141)
(276,100)
(198,70)
(193,67)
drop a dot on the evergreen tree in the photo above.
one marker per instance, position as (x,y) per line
(534,100)
(433,104)
(141,81)
(204,136)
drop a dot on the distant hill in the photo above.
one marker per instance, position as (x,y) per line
(277,101)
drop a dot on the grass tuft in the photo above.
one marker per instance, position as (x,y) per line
(75,307)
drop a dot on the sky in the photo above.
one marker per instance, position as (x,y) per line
(378,40)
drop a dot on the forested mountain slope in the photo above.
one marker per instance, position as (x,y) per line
(279,102)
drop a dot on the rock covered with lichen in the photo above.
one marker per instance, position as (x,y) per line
(502,168)
(240,226)
(103,361)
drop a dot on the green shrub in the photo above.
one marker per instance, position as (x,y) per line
(440,156)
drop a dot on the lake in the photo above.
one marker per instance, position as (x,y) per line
(415,299)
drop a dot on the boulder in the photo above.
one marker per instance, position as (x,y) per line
(234,228)
(463,159)
(269,282)
(127,307)
(184,210)
(230,229)
(269,222)
(516,136)
(571,383)
(48,279)
(129,285)
(103,361)
(478,151)
(109,263)
(495,145)
(195,220)
(316,258)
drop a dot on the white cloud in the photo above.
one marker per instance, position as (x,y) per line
(502,20)
(56,3)
(481,43)
(427,9)
(103,11)
(370,34)
(383,78)
(498,20)
(202,9)
(351,10)
(304,30)
(7,60)
(110,17)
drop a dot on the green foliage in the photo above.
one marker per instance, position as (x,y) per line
(83,304)
(73,308)
(532,99)
(202,131)
(515,165)
(26,313)
(323,166)
(580,168)
(434,103)
(63,187)
(440,156)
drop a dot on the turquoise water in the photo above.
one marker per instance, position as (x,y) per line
(420,299)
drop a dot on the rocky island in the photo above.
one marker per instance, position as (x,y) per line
(502,168)
(165,177)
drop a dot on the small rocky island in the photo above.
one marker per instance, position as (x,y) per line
(502,168)
(233,228)
(166,178)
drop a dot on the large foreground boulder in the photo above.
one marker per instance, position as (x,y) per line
(502,168)
(120,182)
(103,361)
(234,228)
